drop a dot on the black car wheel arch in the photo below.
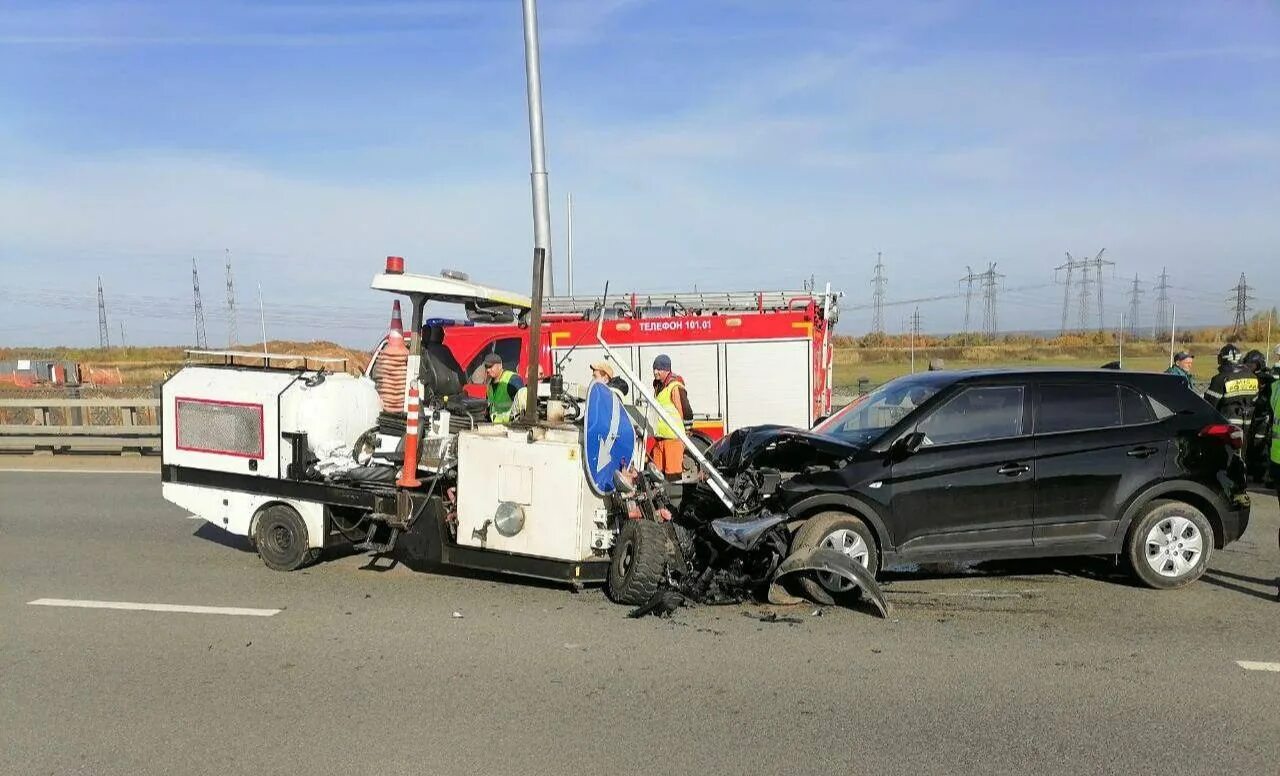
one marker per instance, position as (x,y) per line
(1179,490)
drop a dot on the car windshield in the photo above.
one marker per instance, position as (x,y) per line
(870,415)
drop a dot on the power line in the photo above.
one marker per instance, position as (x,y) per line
(201,341)
(1070,268)
(1161,323)
(1098,263)
(1135,294)
(104,334)
(231,305)
(878,284)
(1241,298)
(990,318)
(1083,295)
(915,336)
(968,280)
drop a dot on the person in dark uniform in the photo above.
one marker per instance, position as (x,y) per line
(1257,443)
(1233,390)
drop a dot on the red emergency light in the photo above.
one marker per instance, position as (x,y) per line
(395,265)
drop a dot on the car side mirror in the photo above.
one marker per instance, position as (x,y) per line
(908,445)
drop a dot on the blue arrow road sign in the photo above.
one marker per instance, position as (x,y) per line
(608,438)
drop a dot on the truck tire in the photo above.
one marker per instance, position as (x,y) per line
(1169,546)
(639,559)
(825,528)
(281,539)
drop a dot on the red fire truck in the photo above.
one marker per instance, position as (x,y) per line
(746,357)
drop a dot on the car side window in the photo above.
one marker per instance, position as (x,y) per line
(976,414)
(1078,407)
(1135,409)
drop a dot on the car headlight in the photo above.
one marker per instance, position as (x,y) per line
(509,519)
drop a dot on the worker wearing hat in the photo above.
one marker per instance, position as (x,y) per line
(668,452)
(602,372)
(1183,363)
(504,389)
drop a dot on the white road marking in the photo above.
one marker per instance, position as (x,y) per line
(194,517)
(1249,665)
(78,471)
(126,605)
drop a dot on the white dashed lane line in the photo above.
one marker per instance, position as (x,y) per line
(1250,665)
(168,608)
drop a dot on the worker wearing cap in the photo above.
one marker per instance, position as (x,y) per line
(668,453)
(601,372)
(1183,363)
(504,389)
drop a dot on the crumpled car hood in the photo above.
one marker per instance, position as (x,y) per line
(781,447)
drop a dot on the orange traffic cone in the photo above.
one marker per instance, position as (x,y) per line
(409,472)
(393,362)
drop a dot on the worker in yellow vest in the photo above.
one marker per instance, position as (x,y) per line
(668,452)
(505,387)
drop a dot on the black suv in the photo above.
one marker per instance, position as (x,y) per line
(989,464)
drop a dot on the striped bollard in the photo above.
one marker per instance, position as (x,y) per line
(409,472)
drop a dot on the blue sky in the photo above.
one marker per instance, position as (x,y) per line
(723,143)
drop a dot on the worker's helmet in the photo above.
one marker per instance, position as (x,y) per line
(1255,360)
(1230,354)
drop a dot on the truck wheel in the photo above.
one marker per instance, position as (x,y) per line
(844,533)
(1169,546)
(281,538)
(639,557)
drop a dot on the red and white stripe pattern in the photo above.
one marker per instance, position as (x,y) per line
(409,473)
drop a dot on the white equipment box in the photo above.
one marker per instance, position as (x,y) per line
(500,469)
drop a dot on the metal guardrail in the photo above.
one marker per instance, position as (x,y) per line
(44,436)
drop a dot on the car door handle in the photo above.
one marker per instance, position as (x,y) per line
(1013,469)
(1142,452)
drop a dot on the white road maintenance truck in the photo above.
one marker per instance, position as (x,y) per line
(295,454)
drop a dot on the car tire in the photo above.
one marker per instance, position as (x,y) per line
(281,539)
(639,559)
(1169,546)
(832,528)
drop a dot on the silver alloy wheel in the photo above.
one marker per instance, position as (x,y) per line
(1174,546)
(850,543)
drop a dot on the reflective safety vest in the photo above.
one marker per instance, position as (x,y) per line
(661,430)
(500,400)
(1275,424)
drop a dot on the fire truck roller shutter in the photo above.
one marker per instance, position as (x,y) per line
(699,365)
(772,383)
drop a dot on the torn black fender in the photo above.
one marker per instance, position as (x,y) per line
(831,562)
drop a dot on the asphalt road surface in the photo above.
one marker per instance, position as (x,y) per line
(1047,667)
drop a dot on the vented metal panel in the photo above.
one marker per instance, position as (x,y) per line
(219,427)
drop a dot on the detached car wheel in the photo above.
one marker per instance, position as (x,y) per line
(1170,545)
(281,539)
(846,534)
(639,558)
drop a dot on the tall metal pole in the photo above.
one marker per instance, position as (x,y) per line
(537,148)
(1173,330)
(568,242)
(262,318)
(1124,321)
